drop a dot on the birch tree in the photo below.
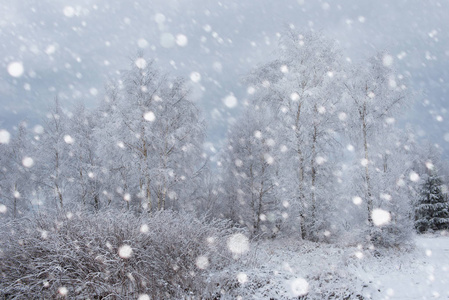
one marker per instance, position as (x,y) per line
(302,86)
(53,157)
(159,135)
(84,162)
(252,169)
(16,177)
(374,95)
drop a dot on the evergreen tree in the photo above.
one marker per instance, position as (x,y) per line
(432,209)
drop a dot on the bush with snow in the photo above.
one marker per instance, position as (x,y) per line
(111,254)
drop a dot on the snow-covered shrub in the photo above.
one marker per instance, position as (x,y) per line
(388,236)
(391,236)
(334,285)
(111,254)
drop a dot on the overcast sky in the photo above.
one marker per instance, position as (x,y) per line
(71,48)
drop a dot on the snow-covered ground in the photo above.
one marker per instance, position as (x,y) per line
(286,269)
(424,276)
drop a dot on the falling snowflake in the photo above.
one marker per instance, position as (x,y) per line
(63,291)
(242,278)
(294,96)
(142,43)
(93,91)
(414,176)
(68,11)
(50,49)
(321,110)
(299,287)
(181,40)
(38,129)
(387,60)
(4,136)
(380,217)
(149,116)
(202,262)
(230,101)
(68,139)
(268,158)
(270,142)
(167,40)
(217,66)
(364,162)
(238,244)
(125,251)
(357,200)
(159,18)
(144,228)
(141,63)
(27,162)
(195,77)
(15,69)
(342,116)
(320,160)
(385,196)
(284,69)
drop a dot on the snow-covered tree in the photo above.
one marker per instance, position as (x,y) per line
(16,177)
(151,136)
(374,94)
(432,209)
(53,171)
(251,171)
(302,85)
(392,187)
(84,162)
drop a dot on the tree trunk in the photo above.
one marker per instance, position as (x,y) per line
(82,185)
(259,207)
(301,196)
(303,226)
(58,191)
(301,175)
(148,193)
(15,201)
(369,199)
(59,196)
(146,173)
(313,169)
(96,202)
(255,217)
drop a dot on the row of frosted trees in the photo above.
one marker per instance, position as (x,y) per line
(140,149)
(315,151)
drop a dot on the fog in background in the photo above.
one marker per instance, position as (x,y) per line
(70,49)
